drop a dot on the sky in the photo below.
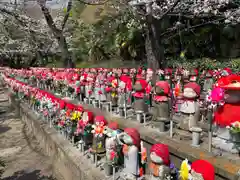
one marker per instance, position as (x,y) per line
(53,4)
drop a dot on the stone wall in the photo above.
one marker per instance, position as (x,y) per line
(69,164)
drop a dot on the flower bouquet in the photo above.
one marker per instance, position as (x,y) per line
(234,127)
(234,130)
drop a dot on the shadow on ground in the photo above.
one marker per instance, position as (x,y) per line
(34,175)
(7,114)
(4,129)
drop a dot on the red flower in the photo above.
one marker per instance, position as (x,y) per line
(113,154)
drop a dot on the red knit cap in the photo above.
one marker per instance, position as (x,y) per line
(194,86)
(167,71)
(113,125)
(134,135)
(100,119)
(79,108)
(164,85)
(125,78)
(62,104)
(70,106)
(204,168)
(226,82)
(162,151)
(90,117)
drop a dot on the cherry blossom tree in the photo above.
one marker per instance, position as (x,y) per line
(184,11)
(58,30)
(21,36)
(38,35)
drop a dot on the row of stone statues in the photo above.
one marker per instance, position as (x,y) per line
(102,139)
(182,96)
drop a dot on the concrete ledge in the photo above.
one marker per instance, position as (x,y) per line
(67,161)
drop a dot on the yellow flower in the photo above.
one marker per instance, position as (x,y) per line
(184,170)
(182,55)
(76,115)
(123,44)
(73,116)
(114,94)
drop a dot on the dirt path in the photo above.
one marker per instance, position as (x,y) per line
(19,150)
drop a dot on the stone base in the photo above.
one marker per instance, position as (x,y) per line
(225,145)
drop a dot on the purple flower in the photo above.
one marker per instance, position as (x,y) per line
(172,166)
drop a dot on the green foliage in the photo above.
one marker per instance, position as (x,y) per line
(65,12)
(205,63)
(105,36)
(108,37)
(208,41)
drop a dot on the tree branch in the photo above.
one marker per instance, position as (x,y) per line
(69,7)
(189,28)
(93,4)
(170,9)
(192,16)
(49,19)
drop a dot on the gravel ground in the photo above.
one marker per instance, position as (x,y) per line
(19,150)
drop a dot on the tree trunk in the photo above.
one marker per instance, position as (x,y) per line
(58,33)
(65,54)
(18,62)
(154,49)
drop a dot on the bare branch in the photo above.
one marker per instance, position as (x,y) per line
(49,19)
(169,10)
(189,28)
(93,4)
(69,7)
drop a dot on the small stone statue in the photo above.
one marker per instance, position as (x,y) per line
(198,170)
(112,148)
(160,162)
(123,80)
(98,131)
(114,93)
(228,114)
(168,75)
(84,128)
(89,86)
(108,86)
(193,75)
(161,109)
(208,82)
(130,139)
(99,89)
(190,109)
(83,83)
(139,104)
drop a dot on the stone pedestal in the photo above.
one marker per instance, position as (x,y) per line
(121,100)
(140,105)
(108,169)
(161,115)
(196,136)
(226,140)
